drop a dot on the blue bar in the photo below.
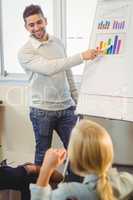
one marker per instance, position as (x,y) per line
(109,50)
(100,25)
(115,44)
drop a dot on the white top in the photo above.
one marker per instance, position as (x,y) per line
(52,84)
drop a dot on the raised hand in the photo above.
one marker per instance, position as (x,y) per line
(90,54)
(54,158)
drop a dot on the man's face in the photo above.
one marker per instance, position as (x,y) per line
(36,25)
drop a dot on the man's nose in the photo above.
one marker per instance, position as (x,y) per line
(36,27)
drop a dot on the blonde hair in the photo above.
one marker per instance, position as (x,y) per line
(90,150)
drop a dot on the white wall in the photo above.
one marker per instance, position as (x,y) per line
(122,136)
(17,134)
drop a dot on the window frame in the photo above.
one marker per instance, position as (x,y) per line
(59,29)
(1,42)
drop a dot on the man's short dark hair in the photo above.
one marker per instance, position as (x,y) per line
(32,10)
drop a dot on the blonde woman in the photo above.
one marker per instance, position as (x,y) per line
(90,152)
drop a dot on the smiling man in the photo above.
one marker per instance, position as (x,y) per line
(36,25)
(53,94)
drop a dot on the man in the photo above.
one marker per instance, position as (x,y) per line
(53,92)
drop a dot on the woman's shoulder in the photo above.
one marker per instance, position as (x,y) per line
(74,190)
(122,182)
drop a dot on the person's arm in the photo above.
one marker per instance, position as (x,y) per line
(42,190)
(32,61)
(40,193)
(73,89)
(53,159)
(122,183)
(65,191)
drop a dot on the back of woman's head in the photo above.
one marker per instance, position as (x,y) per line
(91,151)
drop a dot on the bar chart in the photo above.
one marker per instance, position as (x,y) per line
(110,44)
(114,24)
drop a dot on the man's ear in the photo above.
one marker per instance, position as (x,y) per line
(46,22)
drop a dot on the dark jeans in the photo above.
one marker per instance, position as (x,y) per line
(44,122)
(16,179)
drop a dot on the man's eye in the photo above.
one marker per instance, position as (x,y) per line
(31,25)
(39,22)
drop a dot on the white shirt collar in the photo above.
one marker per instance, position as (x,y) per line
(36,43)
